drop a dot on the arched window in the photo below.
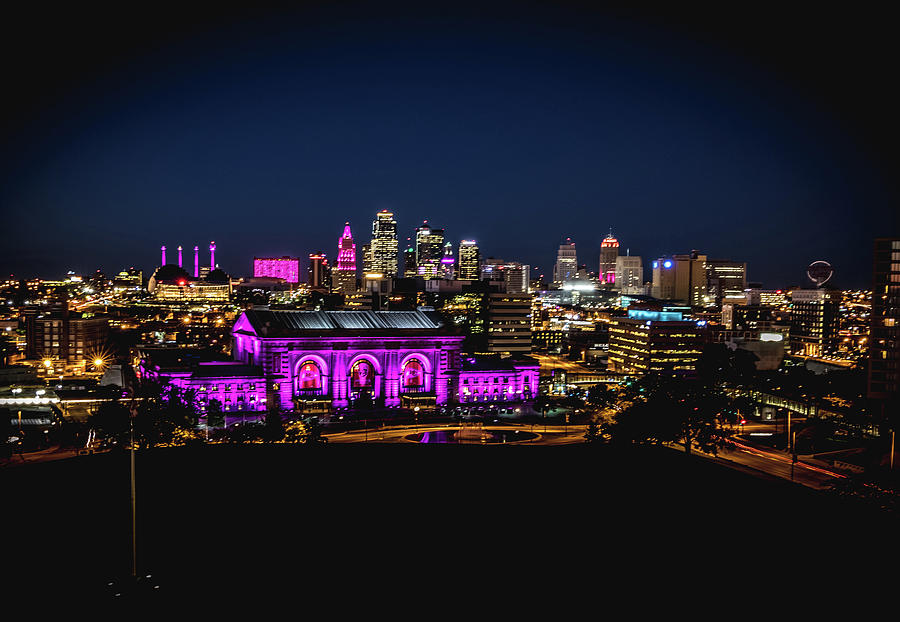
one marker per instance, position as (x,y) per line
(309,376)
(413,374)
(362,375)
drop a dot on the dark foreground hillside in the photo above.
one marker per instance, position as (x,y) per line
(372,522)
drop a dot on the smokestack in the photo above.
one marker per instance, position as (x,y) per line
(196,262)
(179,256)
(163,249)
(212,255)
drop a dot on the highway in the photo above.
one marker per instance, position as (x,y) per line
(739,455)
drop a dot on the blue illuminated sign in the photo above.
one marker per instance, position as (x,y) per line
(655,316)
(667,264)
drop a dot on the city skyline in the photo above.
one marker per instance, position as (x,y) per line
(679,141)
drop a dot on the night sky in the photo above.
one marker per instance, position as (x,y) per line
(764,137)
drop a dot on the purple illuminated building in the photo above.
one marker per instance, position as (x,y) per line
(400,358)
(344,275)
(318,360)
(287,268)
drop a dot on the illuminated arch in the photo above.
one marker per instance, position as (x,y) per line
(368,357)
(302,366)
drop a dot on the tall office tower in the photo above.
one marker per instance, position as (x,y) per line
(429,251)
(319,271)
(509,322)
(515,276)
(609,250)
(681,278)
(469,258)
(660,342)
(725,281)
(629,274)
(409,259)
(343,279)
(884,325)
(384,244)
(566,267)
(287,268)
(814,321)
(366,252)
(448,263)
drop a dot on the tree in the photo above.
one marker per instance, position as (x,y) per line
(675,411)
(112,420)
(593,433)
(304,431)
(274,428)
(215,418)
(600,395)
(165,414)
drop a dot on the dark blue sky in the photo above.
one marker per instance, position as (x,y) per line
(517,125)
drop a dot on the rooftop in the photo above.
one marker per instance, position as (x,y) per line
(279,323)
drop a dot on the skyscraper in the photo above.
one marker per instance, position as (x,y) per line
(725,280)
(383,249)
(429,251)
(319,271)
(884,326)
(566,267)
(469,258)
(366,252)
(409,260)
(448,263)
(344,276)
(682,278)
(629,274)
(609,250)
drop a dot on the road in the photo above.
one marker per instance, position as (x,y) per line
(546,435)
(742,456)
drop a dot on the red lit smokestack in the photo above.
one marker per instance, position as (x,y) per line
(179,256)
(212,255)
(196,262)
(163,249)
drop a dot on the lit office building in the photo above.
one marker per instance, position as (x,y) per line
(287,268)
(367,259)
(655,341)
(62,335)
(681,278)
(609,251)
(469,259)
(566,267)
(319,272)
(884,332)
(509,322)
(383,249)
(814,321)
(409,261)
(448,263)
(516,276)
(629,277)
(725,281)
(429,251)
(343,278)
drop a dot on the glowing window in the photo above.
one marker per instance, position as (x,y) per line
(309,376)
(413,374)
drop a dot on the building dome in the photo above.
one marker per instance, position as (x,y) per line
(170,272)
(217,276)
